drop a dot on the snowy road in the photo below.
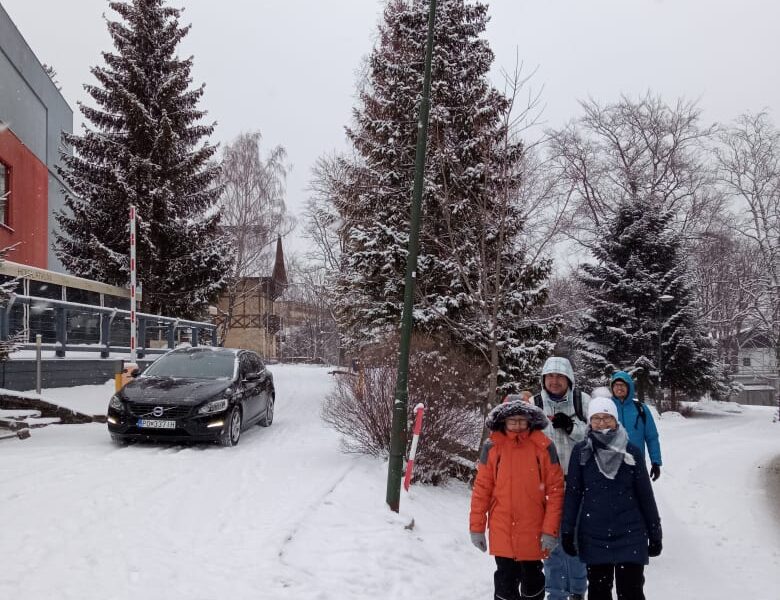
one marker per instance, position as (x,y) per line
(145,520)
(718,516)
(285,515)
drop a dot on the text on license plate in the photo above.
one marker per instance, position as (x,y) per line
(156,424)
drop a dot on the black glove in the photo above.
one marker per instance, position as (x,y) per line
(654,548)
(563,421)
(655,471)
(567,541)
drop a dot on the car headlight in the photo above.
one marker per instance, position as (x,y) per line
(213,407)
(116,403)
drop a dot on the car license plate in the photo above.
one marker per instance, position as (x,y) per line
(156,424)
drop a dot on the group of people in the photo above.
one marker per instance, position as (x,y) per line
(564,494)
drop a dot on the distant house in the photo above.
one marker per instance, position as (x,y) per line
(757,369)
(254,320)
(756,354)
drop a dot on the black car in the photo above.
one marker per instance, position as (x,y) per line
(194,394)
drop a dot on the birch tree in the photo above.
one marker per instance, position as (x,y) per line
(254,213)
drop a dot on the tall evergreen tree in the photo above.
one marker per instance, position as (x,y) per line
(147,150)
(628,325)
(468,165)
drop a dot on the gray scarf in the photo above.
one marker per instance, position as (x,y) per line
(609,448)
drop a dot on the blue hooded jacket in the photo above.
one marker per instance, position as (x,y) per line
(641,432)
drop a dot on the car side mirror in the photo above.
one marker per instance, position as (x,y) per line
(135,372)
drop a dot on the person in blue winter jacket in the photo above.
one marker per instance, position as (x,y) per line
(610,518)
(637,420)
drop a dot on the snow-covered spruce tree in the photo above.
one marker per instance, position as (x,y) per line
(146,148)
(639,262)
(463,203)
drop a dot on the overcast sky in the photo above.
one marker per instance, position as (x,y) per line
(288,67)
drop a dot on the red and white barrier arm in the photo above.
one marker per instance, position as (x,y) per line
(418,419)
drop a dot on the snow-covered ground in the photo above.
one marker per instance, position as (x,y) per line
(286,515)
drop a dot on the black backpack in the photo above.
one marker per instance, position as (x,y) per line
(640,407)
(577,397)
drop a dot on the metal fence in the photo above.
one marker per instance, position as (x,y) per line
(71,326)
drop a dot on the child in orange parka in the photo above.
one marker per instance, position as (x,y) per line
(518,496)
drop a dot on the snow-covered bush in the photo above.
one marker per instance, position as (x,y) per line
(441,377)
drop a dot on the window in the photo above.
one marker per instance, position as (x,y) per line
(5,192)
(746,361)
(244,366)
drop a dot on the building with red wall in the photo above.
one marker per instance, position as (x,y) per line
(25,209)
(33,115)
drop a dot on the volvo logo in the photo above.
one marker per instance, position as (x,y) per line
(158,411)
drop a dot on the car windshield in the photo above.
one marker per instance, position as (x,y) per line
(195,364)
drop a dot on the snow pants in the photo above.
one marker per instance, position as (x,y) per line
(629,580)
(564,575)
(518,579)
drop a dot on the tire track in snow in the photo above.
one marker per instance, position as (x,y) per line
(311,509)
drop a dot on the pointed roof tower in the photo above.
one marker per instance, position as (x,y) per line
(279,275)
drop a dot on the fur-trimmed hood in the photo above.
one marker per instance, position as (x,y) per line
(516,408)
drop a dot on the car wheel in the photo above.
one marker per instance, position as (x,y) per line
(269,413)
(232,431)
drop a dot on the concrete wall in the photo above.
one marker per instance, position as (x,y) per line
(20,374)
(21,109)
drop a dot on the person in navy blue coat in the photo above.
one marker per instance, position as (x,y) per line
(610,518)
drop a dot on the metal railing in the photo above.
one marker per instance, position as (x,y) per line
(106,321)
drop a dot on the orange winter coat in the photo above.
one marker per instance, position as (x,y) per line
(518,493)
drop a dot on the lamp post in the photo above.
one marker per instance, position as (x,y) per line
(663,299)
(398,431)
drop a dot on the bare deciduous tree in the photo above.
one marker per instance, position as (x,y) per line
(322,221)
(749,170)
(253,211)
(310,326)
(726,277)
(635,148)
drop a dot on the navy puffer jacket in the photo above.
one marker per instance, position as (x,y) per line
(613,518)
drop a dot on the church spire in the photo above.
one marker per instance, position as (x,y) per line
(279,275)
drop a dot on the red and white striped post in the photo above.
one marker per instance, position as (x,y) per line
(418,419)
(133,327)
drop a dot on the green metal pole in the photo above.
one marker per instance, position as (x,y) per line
(398,432)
